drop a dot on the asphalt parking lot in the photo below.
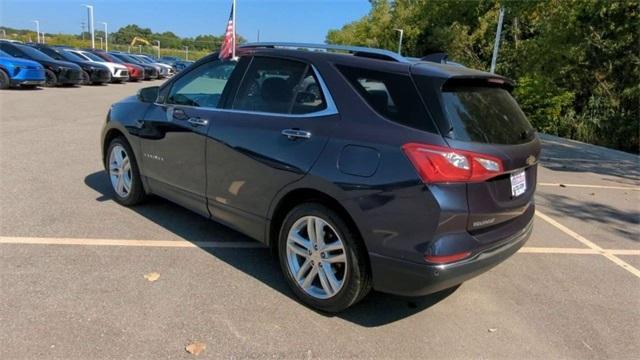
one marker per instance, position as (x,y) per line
(73,265)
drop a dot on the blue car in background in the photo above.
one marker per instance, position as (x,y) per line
(15,72)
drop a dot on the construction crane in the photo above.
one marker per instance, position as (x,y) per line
(137,39)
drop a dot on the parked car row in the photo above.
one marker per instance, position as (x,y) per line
(31,65)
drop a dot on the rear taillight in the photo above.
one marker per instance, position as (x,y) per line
(438,164)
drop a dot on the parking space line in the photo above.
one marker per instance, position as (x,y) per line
(616,260)
(630,188)
(140,243)
(569,251)
(576,251)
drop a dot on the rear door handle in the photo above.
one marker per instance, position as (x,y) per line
(293,134)
(196,121)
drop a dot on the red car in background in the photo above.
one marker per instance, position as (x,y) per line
(136,72)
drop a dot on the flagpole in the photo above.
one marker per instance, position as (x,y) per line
(233,42)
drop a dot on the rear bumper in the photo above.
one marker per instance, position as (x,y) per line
(405,278)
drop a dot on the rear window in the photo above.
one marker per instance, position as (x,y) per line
(393,96)
(486,115)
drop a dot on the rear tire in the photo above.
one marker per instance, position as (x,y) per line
(329,275)
(5,82)
(51,80)
(124,176)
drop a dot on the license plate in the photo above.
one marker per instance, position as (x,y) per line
(518,183)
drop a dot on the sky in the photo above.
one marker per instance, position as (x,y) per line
(277,20)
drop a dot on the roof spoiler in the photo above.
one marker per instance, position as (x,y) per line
(440,58)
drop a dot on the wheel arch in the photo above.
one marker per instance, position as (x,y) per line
(306,195)
(108,137)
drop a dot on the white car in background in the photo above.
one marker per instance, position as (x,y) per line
(119,72)
(163,69)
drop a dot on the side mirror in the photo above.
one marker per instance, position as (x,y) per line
(148,94)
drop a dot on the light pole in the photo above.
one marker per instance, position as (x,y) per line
(100,38)
(106,37)
(186,53)
(158,41)
(496,45)
(37,30)
(401,31)
(91,27)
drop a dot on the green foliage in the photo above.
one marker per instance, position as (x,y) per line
(576,61)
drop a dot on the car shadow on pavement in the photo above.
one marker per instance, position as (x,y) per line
(571,156)
(377,309)
(624,223)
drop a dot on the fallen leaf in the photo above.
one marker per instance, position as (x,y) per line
(195,348)
(492,330)
(563,185)
(592,194)
(152,276)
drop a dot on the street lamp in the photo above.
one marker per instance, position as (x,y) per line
(106,37)
(186,53)
(91,28)
(37,30)
(158,41)
(100,38)
(401,31)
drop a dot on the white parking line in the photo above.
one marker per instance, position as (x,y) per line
(142,243)
(589,244)
(630,188)
(576,251)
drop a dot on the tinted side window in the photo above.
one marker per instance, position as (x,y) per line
(203,86)
(279,86)
(391,95)
(10,50)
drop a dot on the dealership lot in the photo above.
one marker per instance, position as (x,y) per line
(72,264)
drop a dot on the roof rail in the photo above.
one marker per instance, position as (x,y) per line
(355,50)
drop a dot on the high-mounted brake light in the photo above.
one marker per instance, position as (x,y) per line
(438,164)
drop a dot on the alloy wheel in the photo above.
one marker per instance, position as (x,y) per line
(316,257)
(120,171)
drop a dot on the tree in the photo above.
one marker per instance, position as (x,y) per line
(576,62)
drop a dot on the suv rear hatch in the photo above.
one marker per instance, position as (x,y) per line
(476,114)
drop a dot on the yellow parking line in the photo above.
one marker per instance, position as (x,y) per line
(546,250)
(119,242)
(630,188)
(624,252)
(616,260)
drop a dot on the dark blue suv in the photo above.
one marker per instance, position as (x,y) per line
(360,168)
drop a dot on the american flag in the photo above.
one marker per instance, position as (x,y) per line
(226,50)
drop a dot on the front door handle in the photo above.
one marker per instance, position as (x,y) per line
(293,134)
(196,121)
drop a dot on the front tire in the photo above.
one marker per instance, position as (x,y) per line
(85,79)
(51,80)
(323,260)
(5,82)
(123,172)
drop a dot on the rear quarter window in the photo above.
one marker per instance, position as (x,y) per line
(391,95)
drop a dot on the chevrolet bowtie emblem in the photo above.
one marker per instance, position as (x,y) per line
(531,160)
